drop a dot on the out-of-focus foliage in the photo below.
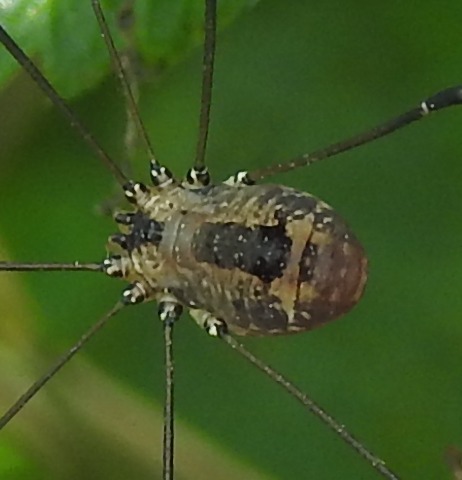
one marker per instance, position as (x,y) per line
(64,35)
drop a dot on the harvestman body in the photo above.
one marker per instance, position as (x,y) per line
(245,258)
(268,259)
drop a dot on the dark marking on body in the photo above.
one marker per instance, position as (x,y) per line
(308,262)
(262,251)
(143,230)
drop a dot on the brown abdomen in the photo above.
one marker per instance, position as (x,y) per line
(274,261)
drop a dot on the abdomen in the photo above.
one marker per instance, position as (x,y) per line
(268,260)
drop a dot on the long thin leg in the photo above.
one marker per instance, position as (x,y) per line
(50,267)
(54,369)
(37,76)
(198,175)
(160,175)
(217,328)
(339,429)
(130,100)
(169,312)
(443,99)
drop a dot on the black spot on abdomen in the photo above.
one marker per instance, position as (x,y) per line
(262,251)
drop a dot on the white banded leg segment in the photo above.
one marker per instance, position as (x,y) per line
(136,293)
(169,309)
(212,325)
(117,266)
(198,177)
(136,193)
(160,176)
(443,99)
(239,178)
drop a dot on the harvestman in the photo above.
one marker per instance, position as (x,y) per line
(252,260)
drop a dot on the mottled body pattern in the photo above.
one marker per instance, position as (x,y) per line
(265,259)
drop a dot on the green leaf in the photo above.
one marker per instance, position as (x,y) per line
(64,38)
(27,20)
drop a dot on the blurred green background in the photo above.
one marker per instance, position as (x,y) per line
(290,77)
